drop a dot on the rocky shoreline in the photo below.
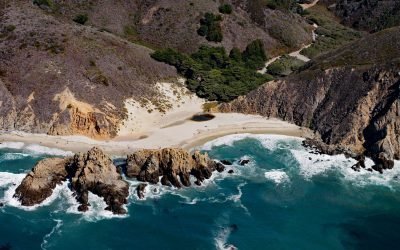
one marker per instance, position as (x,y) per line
(382,160)
(95,172)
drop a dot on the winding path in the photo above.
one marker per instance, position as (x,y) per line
(296,53)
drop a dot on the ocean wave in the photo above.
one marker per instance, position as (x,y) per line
(42,150)
(12,156)
(96,210)
(34,149)
(13,181)
(222,234)
(12,145)
(268,141)
(278,176)
(55,229)
(311,165)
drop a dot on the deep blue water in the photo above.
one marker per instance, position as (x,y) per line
(285,198)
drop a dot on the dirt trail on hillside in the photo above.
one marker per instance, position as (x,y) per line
(296,53)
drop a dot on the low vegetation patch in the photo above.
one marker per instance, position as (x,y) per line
(256,8)
(81,19)
(284,66)
(225,9)
(48,3)
(216,76)
(210,27)
(330,33)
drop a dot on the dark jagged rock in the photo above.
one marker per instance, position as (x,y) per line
(244,162)
(382,163)
(1,204)
(95,172)
(226,162)
(219,167)
(165,181)
(320,147)
(140,190)
(174,166)
(38,185)
(360,163)
(230,171)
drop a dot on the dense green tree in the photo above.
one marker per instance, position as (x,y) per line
(254,56)
(214,75)
(210,27)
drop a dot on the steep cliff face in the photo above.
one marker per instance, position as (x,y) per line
(350,96)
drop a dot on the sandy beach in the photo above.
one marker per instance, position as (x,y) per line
(148,127)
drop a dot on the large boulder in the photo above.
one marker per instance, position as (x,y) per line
(95,172)
(174,166)
(40,182)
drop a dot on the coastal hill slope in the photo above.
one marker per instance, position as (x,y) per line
(63,78)
(174,23)
(350,96)
(60,77)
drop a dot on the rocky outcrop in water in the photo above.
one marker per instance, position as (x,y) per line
(88,172)
(95,172)
(38,185)
(173,166)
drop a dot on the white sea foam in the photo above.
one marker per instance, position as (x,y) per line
(12,156)
(268,141)
(222,234)
(277,176)
(228,140)
(12,145)
(42,150)
(34,149)
(55,229)
(96,210)
(311,165)
(15,180)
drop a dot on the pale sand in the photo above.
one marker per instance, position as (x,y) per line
(188,134)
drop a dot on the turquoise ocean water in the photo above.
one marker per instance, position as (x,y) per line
(285,198)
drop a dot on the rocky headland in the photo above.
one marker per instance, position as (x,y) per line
(95,172)
(349,97)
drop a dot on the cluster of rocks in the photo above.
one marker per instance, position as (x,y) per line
(95,172)
(382,160)
(92,171)
(172,167)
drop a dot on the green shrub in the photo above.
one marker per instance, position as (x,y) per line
(10,28)
(81,19)
(210,27)
(284,66)
(214,75)
(225,9)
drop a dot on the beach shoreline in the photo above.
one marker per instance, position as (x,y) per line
(186,134)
